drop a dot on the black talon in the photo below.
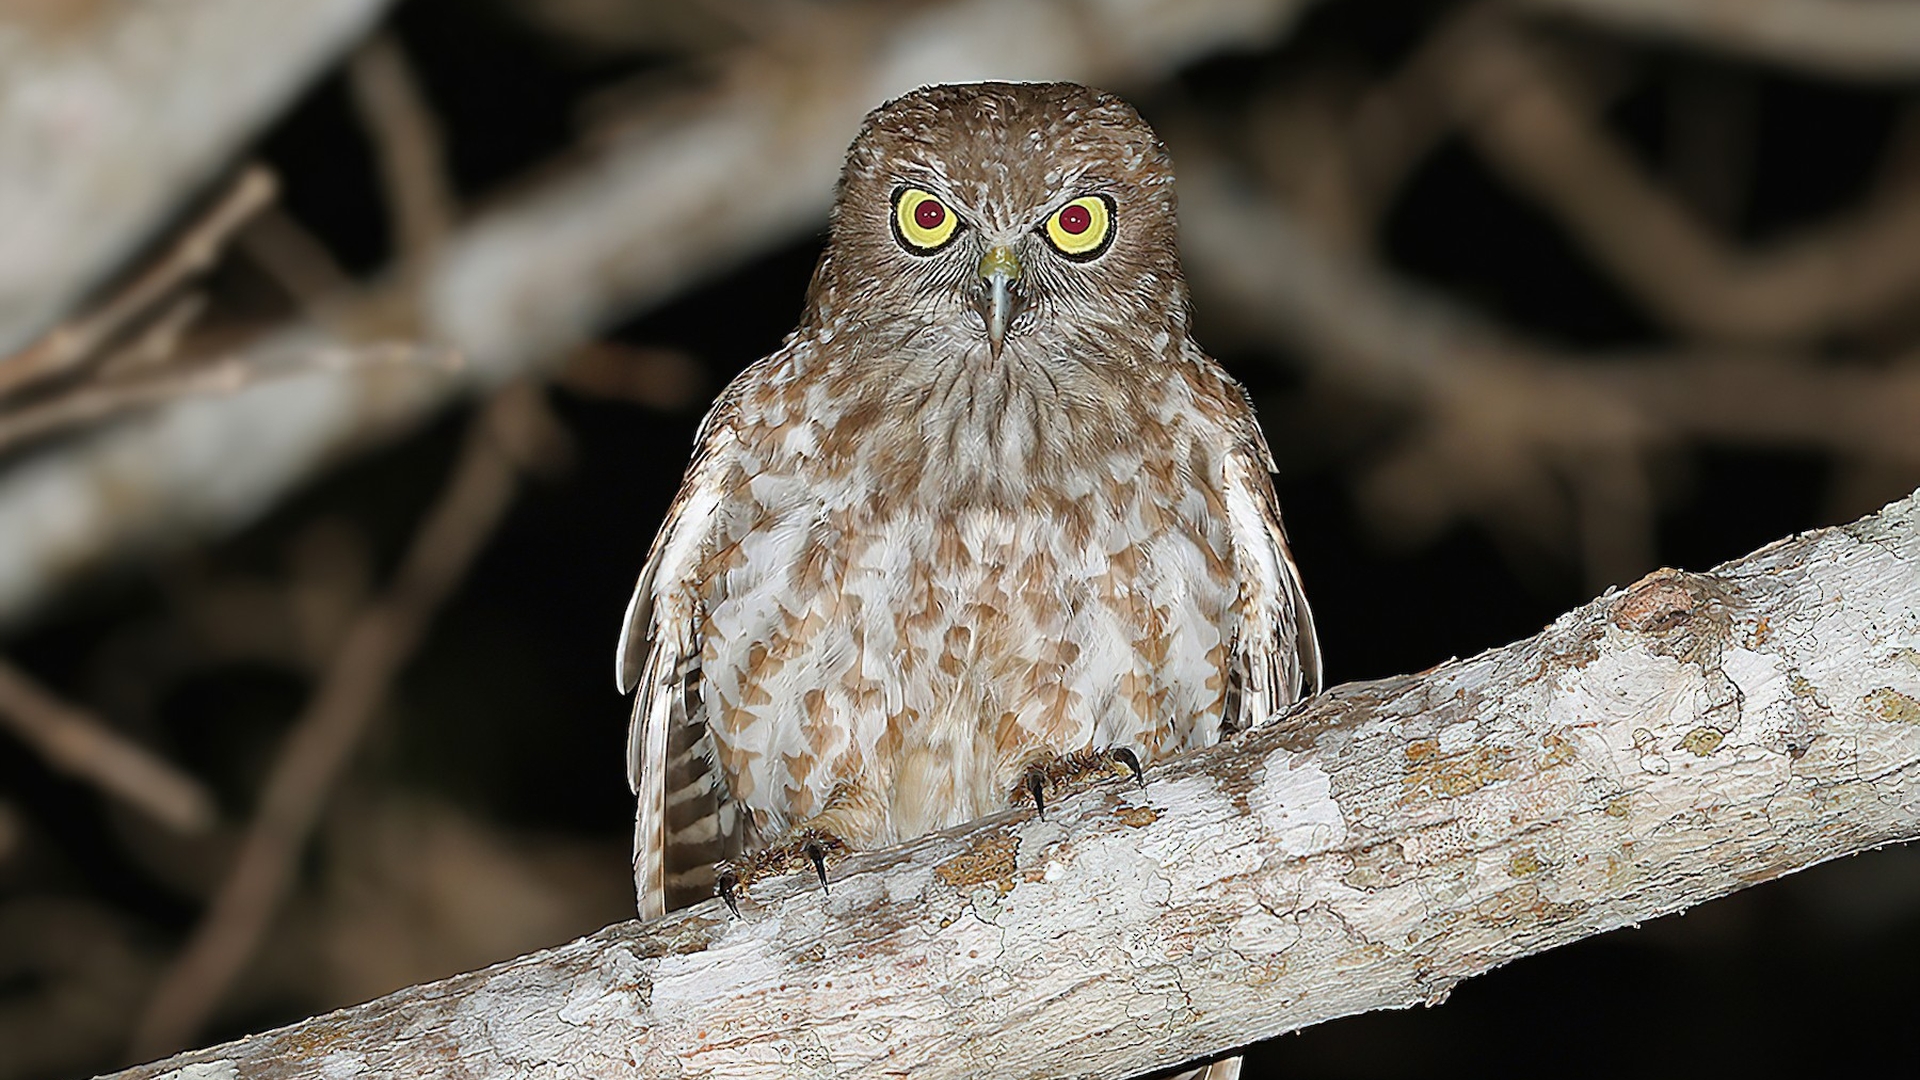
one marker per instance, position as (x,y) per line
(728,886)
(1037,787)
(817,855)
(1127,757)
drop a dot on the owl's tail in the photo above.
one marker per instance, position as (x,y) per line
(1224,1069)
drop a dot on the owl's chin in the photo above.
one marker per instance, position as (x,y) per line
(1017,335)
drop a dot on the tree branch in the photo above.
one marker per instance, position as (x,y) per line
(105,125)
(1853,39)
(77,743)
(1657,748)
(511,434)
(70,345)
(624,224)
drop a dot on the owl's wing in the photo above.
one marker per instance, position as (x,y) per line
(684,820)
(1277,657)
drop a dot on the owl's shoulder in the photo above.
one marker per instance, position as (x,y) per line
(1219,401)
(770,393)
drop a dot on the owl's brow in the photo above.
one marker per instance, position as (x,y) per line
(1073,184)
(932,182)
(1070,192)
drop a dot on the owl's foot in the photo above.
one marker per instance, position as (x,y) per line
(806,849)
(1065,774)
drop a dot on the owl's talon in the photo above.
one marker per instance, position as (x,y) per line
(816,853)
(806,848)
(1036,784)
(1065,774)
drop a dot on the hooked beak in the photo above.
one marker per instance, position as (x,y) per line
(999,272)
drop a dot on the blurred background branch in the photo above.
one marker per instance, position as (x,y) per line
(1858,39)
(297,301)
(514,433)
(111,113)
(75,742)
(630,220)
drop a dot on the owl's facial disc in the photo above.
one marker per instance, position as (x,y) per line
(997,301)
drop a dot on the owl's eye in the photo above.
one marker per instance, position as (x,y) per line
(1083,228)
(921,222)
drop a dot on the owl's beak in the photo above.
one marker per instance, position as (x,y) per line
(999,271)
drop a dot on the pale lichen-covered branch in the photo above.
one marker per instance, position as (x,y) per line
(1659,747)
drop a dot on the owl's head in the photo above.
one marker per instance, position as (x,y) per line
(1007,212)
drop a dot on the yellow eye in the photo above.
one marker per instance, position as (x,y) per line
(921,222)
(1082,228)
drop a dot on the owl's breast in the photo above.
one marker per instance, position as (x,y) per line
(888,628)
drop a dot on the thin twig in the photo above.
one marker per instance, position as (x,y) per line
(69,345)
(1506,426)
(1855,39)
(1524,119)
(76,743)
(295,259)
(159,342)
(315,753)
(223,375)
(407,141)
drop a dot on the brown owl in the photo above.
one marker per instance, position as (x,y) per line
(987,515)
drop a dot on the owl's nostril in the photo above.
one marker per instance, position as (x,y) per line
(1002,261)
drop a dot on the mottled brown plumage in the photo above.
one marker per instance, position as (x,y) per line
(988,505)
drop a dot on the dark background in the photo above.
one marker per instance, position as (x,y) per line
(487,813)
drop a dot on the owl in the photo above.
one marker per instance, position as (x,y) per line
(988,518)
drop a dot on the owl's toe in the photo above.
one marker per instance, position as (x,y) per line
(1064,774)
(807,849)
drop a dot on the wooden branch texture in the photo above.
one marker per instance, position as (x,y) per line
(1659,747)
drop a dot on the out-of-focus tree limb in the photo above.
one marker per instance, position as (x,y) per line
(407,141)
(74,342)
(1533,130)
(1502,426)
(694,187)
(77,743)
(106,123)
(1657,748)
(513,434)
(1856,39)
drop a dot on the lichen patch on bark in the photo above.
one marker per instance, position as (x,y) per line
(989,857)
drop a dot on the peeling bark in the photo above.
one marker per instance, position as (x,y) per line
(1662,746)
